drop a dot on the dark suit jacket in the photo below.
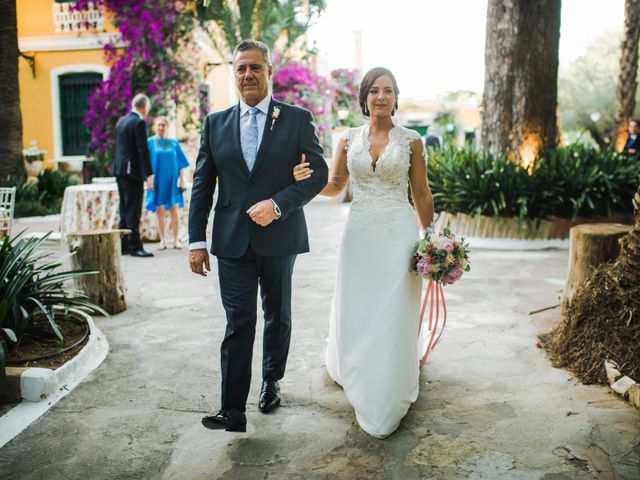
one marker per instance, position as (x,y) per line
(132,153)
(220,161)
(635,145)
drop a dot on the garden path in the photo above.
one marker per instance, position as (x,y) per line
(490,405)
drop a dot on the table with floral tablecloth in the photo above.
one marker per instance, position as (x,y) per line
(95,207)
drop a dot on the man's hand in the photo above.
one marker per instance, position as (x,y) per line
(150,182)
(262,213)
(199,261)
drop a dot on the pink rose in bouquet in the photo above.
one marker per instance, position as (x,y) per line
(444,243)
(425,266)
(453,276)
(442,257)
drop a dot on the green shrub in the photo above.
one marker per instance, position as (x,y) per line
(31,208)
(51,185)
(582,181)
(570,182)
(43,197)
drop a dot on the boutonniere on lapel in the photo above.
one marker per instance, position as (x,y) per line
(274,115)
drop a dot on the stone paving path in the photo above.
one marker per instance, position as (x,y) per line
(490,406)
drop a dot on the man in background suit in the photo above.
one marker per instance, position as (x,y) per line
(132,167)
(259,227)
(632,145)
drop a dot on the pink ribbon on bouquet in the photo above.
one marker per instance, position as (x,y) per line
(434,295)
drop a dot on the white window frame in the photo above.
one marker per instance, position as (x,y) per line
(55,103)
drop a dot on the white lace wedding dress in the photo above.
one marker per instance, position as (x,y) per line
(373,331)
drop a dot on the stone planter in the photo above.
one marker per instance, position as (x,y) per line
(33,158)
(481,226)
(33,167)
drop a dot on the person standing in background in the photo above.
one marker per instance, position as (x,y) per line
(132,167)
(632,144)
(167,162)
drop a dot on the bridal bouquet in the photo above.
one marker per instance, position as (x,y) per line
(441,259)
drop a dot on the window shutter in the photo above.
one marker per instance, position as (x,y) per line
(75,89)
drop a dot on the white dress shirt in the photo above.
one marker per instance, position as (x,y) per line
(261,118)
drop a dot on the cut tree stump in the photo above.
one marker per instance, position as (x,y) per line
(590,245)
(100,250)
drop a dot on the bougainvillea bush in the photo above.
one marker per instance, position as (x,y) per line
(297,84)
(346,82)
(154,60)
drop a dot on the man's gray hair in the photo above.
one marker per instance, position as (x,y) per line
(251,44)
(140,100)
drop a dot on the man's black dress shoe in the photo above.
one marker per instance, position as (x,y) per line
(140,253)
(269,396)
(231,420)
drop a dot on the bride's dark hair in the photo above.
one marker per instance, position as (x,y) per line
(368,80)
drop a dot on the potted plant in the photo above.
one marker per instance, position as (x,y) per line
(34,297)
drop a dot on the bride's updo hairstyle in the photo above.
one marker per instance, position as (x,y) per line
(367,82)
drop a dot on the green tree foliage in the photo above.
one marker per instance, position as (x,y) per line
(586,90)
(228,23)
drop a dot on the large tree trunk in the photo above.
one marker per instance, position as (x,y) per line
(521,78)
(10,117)
(627,78)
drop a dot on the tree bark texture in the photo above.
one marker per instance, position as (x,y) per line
(521,78)
(590,246)
(100,250)
(627,78)
(10,116)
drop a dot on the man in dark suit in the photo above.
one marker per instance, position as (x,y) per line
(632,145)
(259,227)
(132,167)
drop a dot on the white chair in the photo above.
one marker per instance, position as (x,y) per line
(7,203)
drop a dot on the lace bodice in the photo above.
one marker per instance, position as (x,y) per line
(389,179)
(380,194)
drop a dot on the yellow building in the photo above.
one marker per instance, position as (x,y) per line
(61,61)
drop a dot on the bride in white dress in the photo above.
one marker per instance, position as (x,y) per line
(373,331)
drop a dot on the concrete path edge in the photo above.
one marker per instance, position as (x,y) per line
(50,386)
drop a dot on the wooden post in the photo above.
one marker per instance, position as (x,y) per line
(100,250)
(591,244)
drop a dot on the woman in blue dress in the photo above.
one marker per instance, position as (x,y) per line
(167,162)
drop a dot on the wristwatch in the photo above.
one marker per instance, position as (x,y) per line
(276,209)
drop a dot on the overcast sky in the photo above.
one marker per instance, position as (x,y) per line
(435,46)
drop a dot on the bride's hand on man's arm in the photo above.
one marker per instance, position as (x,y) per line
(302,171)
(338,176)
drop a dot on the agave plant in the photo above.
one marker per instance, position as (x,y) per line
(31,286)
